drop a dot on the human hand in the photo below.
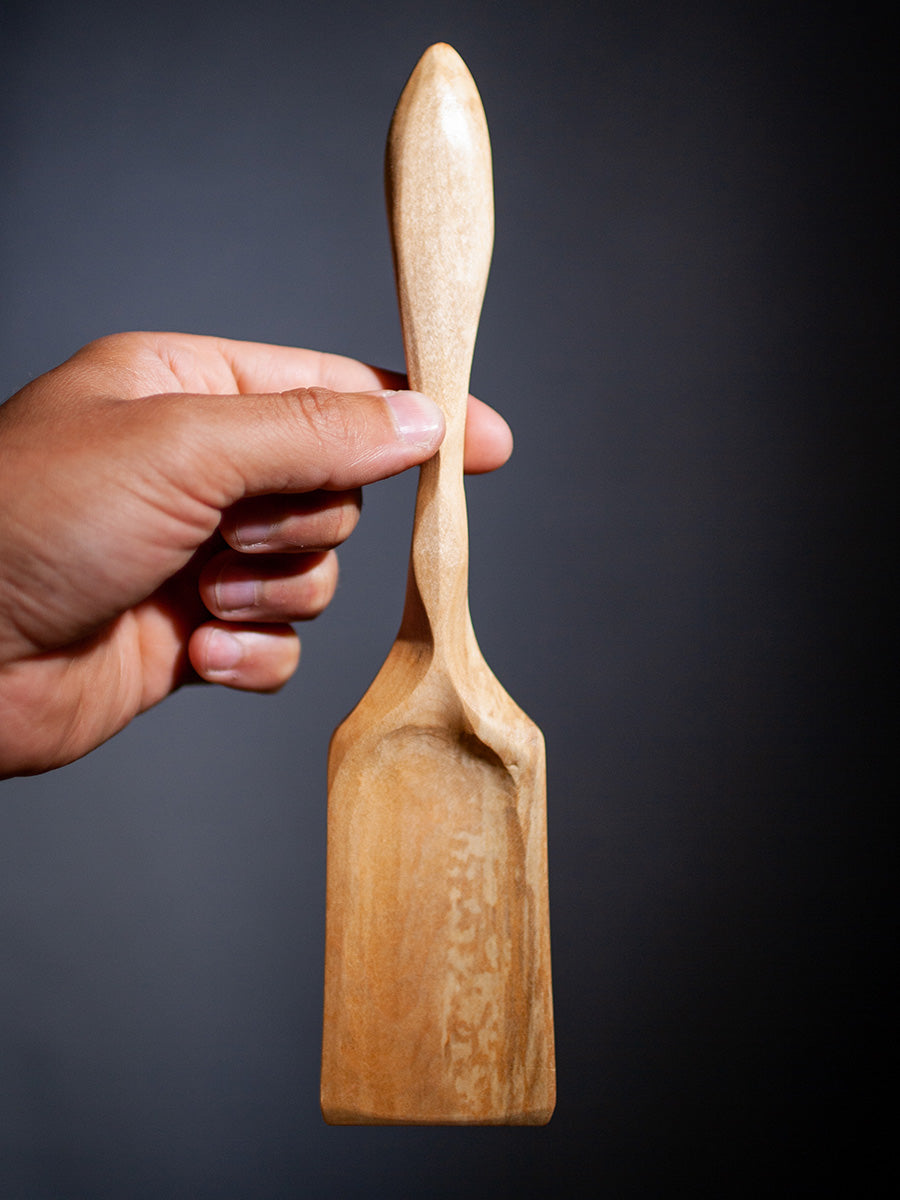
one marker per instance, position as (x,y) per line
(168,504)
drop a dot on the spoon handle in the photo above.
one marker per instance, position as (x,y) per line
(441,217)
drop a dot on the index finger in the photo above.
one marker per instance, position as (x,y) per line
(261,368)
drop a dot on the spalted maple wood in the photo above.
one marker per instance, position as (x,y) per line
(437,976)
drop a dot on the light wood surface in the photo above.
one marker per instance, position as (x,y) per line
(437,976)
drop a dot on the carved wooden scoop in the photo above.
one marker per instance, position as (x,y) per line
(437,966)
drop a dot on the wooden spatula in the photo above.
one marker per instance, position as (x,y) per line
(437,973)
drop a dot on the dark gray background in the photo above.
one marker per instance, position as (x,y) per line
(685,325)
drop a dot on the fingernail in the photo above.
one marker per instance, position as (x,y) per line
(223,651)
(416,418)
(254,533)
(236,594)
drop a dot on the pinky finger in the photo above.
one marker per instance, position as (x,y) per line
(249,657)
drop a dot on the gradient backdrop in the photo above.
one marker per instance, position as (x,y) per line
(685,325)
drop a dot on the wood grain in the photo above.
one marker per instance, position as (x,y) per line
(438,1002)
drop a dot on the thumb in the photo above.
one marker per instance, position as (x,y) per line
(301,440)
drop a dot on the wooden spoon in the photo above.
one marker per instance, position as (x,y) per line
(437,967)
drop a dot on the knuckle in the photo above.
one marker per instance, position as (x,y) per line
(330,418)
(318,585)
(318,409)
(340,522)
(102,346)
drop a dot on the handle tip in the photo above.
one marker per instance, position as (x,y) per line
(442,50)
(441,59)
